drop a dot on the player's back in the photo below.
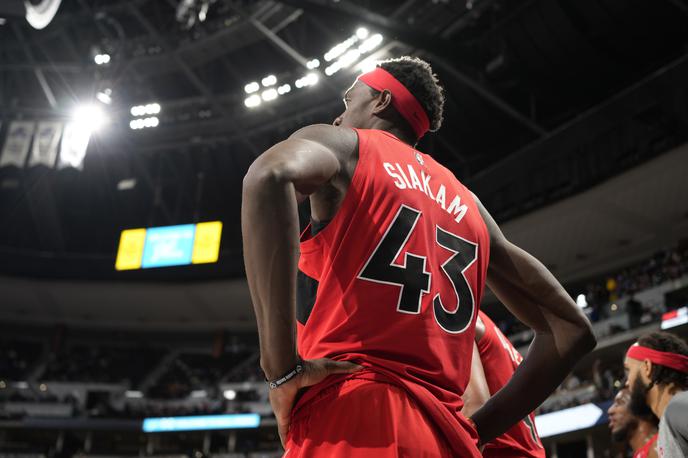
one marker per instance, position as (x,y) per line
(394,280)
(500,360)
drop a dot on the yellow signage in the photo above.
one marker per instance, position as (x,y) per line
(130,251)
(169,246)
(207,242)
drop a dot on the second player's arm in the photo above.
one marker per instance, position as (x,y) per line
(563,334)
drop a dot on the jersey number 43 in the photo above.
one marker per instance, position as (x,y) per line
(414,278)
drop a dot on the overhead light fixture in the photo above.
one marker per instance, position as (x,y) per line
(104,96)
(230,395)
(102,59)
(362,33)
(269,80)
(370,43)
(309,80)
(283,89)
(251,87)
(89,117)
(252,101)
(313,63)
(269,94)
(141,123)
(147,109)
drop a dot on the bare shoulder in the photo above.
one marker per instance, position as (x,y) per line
(342,141)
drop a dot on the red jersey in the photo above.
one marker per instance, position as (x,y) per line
(644,451)
(500,360)
(394,281)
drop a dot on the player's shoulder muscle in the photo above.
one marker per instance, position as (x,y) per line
(343,142)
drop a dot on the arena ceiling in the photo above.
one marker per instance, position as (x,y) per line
(544,100)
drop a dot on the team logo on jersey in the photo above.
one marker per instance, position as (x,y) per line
(419,158)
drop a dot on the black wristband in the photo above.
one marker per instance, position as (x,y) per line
(286,377)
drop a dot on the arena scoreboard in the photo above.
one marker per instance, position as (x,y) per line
(165,246)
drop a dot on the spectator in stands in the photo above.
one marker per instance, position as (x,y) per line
(640,433)
(657,367)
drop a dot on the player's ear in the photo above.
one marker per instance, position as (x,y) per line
(382,101)
(646,370)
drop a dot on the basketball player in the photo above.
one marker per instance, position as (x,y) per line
(493,365)
(638,432)
(657,368)
(390,275)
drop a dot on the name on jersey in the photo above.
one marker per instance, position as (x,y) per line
(406,177)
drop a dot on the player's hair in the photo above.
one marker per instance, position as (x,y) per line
(417,76)
(664,341)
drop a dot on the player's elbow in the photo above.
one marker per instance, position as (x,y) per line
(581,339)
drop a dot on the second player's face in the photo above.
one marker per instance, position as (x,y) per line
(619,415)
(358,104)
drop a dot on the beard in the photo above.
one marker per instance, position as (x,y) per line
(638,403)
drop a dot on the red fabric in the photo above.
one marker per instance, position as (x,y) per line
(373,419)
(402,99)
(500,360)
(644,451)
(662,358)
(357,319)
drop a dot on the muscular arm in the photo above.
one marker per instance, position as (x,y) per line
(477,392)
(562,333)
(277,180)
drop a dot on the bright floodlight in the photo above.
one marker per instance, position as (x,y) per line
(370,43)
(89,117)
(153,108)
(269,94)
(230,394)
(252,87)
(252,101)
(367,65)
(283,89)
(349,58)
(313,63)
(362,33)
(269,80)
(101,59)
(581,301)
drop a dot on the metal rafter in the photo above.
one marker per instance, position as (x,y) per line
(40,76)
(431,46)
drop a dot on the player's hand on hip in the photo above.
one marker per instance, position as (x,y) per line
(314,371)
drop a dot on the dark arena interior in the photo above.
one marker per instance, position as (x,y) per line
(127,127)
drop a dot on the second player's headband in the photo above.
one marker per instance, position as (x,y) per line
(405,103)
(663,358)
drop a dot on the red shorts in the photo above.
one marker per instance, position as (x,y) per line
(363,418)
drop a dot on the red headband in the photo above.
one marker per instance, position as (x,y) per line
(405,103)
(662,358)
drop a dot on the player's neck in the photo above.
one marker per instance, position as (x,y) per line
(387,126)
(642,433)
(660,397)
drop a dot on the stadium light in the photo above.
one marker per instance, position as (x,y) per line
(284,89)
(141,123)
(104,96)
(89,117)
(362,33)
(370,43)
(269,80)
(252,101)
(252,87)
(309,80)
(313,63)
(101,59)
(340,49)
(230,395)
(269,94)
